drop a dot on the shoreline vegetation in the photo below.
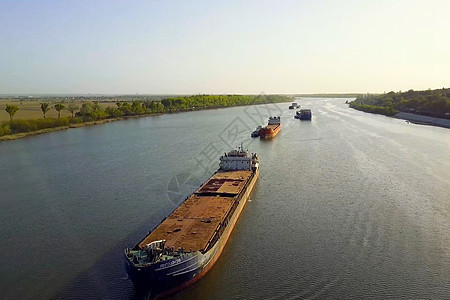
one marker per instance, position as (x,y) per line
(430,107)
(89,111)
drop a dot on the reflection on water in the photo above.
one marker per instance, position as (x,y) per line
(349,205)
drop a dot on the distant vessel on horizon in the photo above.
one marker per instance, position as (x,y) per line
(294,105)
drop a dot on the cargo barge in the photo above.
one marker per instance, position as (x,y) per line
(272,129)
(305,114)
(185,245)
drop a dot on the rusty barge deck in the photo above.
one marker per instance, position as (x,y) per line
(194,225)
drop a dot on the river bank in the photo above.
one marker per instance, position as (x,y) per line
(413,118)
(428,107)
(423,120)
(21,135)
(92,113)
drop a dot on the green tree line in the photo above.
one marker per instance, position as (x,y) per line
(197,102)
(93,111)
(434,103)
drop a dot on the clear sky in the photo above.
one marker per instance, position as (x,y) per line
(223,46)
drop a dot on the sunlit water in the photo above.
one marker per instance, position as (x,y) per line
(349,205)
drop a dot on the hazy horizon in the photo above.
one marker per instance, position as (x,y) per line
(165,94)
(200,47)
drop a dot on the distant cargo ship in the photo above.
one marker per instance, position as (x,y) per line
(272,129)
(305,114)
(187,243)
(294,105)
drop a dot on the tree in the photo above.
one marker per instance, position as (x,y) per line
(113,112)
(154,106)
(92,112)
(58,107)
(72,107)
(45,108)
(126,108)
(96,106)
(138,108)
(11,110)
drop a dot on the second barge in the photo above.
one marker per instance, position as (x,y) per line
(272,129)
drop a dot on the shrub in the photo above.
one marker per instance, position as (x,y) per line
(91,112)
(114,112)
(61,122)
(75,120)
(17,126)
(22,126)
(387,111)
(4,129)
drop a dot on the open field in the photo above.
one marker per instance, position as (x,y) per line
(32,109)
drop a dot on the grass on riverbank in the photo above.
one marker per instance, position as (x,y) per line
(387,111)
(73,124)
(25,127)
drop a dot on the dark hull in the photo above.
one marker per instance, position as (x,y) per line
(305,114)
(158,280)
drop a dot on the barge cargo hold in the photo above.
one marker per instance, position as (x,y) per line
(185,245)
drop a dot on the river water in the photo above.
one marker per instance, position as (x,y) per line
(349,205)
